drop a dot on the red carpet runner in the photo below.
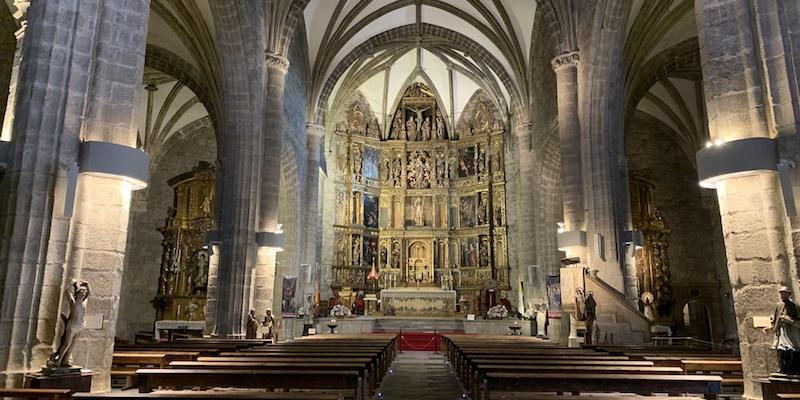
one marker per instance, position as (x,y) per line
(418,341)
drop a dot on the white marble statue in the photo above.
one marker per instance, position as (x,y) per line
(77,294)
(418,213)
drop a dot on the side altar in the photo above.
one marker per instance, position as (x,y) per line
(418,302)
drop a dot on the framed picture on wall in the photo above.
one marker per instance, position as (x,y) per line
(288,303)
(553,283)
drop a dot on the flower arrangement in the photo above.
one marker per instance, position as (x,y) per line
(529,315)
(499,311)
(340,311)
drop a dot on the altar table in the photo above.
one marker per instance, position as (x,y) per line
(418,302)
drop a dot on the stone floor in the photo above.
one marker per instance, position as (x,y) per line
(420,375)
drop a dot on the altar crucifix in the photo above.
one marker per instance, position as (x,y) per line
(418,120)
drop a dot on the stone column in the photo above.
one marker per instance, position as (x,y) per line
(526,201)
(240,124)
(315,134)
(75,55)
(569,132)
(99,231)
(754,222)
(21,15)
(276,68)
(270,235)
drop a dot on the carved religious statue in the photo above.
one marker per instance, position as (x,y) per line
(411,129)
(374,129)
(358,163)
(419,219)
(398,128)
(439,125)
(426,129)
(77,294)
(418,121)
(786,327)
(358,124)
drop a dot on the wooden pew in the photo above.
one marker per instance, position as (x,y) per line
(365,369)
(730,370)
(54,394)
(708,386)
(375,365)
(232,394)
(347,381)
(125,364)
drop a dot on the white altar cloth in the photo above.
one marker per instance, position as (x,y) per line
(418,302)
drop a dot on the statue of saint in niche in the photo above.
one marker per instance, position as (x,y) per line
(419,218)
(482,119)
(359,123)
(411,129)
(439,125)
(398,171)
(395,255)
(398,130)
(426,129)
(358,163)
(483,208)
(441,169)
(374,130)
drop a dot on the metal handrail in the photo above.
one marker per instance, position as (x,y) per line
(689,339)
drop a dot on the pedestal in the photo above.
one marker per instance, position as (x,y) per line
(779,384)
(78,382)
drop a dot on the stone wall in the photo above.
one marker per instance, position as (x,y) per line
(695,244)
(194,143)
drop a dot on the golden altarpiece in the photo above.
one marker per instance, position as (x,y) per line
(425,202)
(652,261)
(183,278)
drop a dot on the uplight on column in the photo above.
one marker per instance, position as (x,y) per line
(568,239)
(725,160)
(271,240)
(108,160)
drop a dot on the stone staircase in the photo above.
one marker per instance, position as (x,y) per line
(421,325)
(618,320)
(617,332)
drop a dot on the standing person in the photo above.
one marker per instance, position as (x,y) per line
(252,325)
(267,325)
(786,325)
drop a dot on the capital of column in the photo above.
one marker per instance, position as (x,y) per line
(564,60)
(151,87)
(523,128)
(277,61)
(315,130)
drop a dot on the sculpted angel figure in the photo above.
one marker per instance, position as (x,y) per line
(77,294)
